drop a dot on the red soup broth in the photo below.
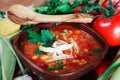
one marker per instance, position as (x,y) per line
(78,49)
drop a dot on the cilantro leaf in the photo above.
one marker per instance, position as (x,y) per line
(55,7)
(34,36)
(96,51)
(39,51)
(2,15)
(42,9)
(65,8)
(47,36)
(24,27)
(44,36)
(59,65)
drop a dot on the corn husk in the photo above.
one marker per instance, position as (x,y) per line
(7,60)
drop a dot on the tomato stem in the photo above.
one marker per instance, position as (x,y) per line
(98,7)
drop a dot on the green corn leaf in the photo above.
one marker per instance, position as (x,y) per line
(0,68)
(116,75)
(110,70)
(8,61)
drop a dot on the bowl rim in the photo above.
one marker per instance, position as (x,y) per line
(26,59)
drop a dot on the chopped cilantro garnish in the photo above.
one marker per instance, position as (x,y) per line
(47,36)
(34,37)
(96,51)
(50,67)
(59,65)
(44,37)
(39,51)
(24,27)
(2,15)
(57,7)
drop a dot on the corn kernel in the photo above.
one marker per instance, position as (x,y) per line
(44,57)
(56,71)
(7,27)
(34,57)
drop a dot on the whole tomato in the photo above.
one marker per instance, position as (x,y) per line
(109,28)
(114,2)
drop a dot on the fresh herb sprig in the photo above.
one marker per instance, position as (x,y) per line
(108,11)
(58,66)
(44,37)
(2,15)
(63,6)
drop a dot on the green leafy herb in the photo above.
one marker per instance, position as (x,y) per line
(39,52)
(57,7)
(2,15)
(50,67)
(45,36)
(96,51)
(24,27)
(59,65)
(42,9)
(76,3)
(34,36)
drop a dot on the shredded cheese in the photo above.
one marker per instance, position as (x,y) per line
(57,50)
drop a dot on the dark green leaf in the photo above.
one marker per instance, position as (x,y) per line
(59,65)
(42,9)
(47,36)
(76,3)
(34,36)
(39,52)
(85,2)
(2,15)
(50,67)
(96,51)
(55,7)
(34,40)
(65,8)
(24,27)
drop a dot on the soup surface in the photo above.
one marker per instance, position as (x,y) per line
(61,49)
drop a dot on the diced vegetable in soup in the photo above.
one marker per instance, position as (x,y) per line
(61,49)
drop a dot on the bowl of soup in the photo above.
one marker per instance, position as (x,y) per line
(60,51)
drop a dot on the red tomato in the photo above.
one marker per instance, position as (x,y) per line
(105,4)
(109,28)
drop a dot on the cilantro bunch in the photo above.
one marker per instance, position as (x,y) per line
(63,6)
